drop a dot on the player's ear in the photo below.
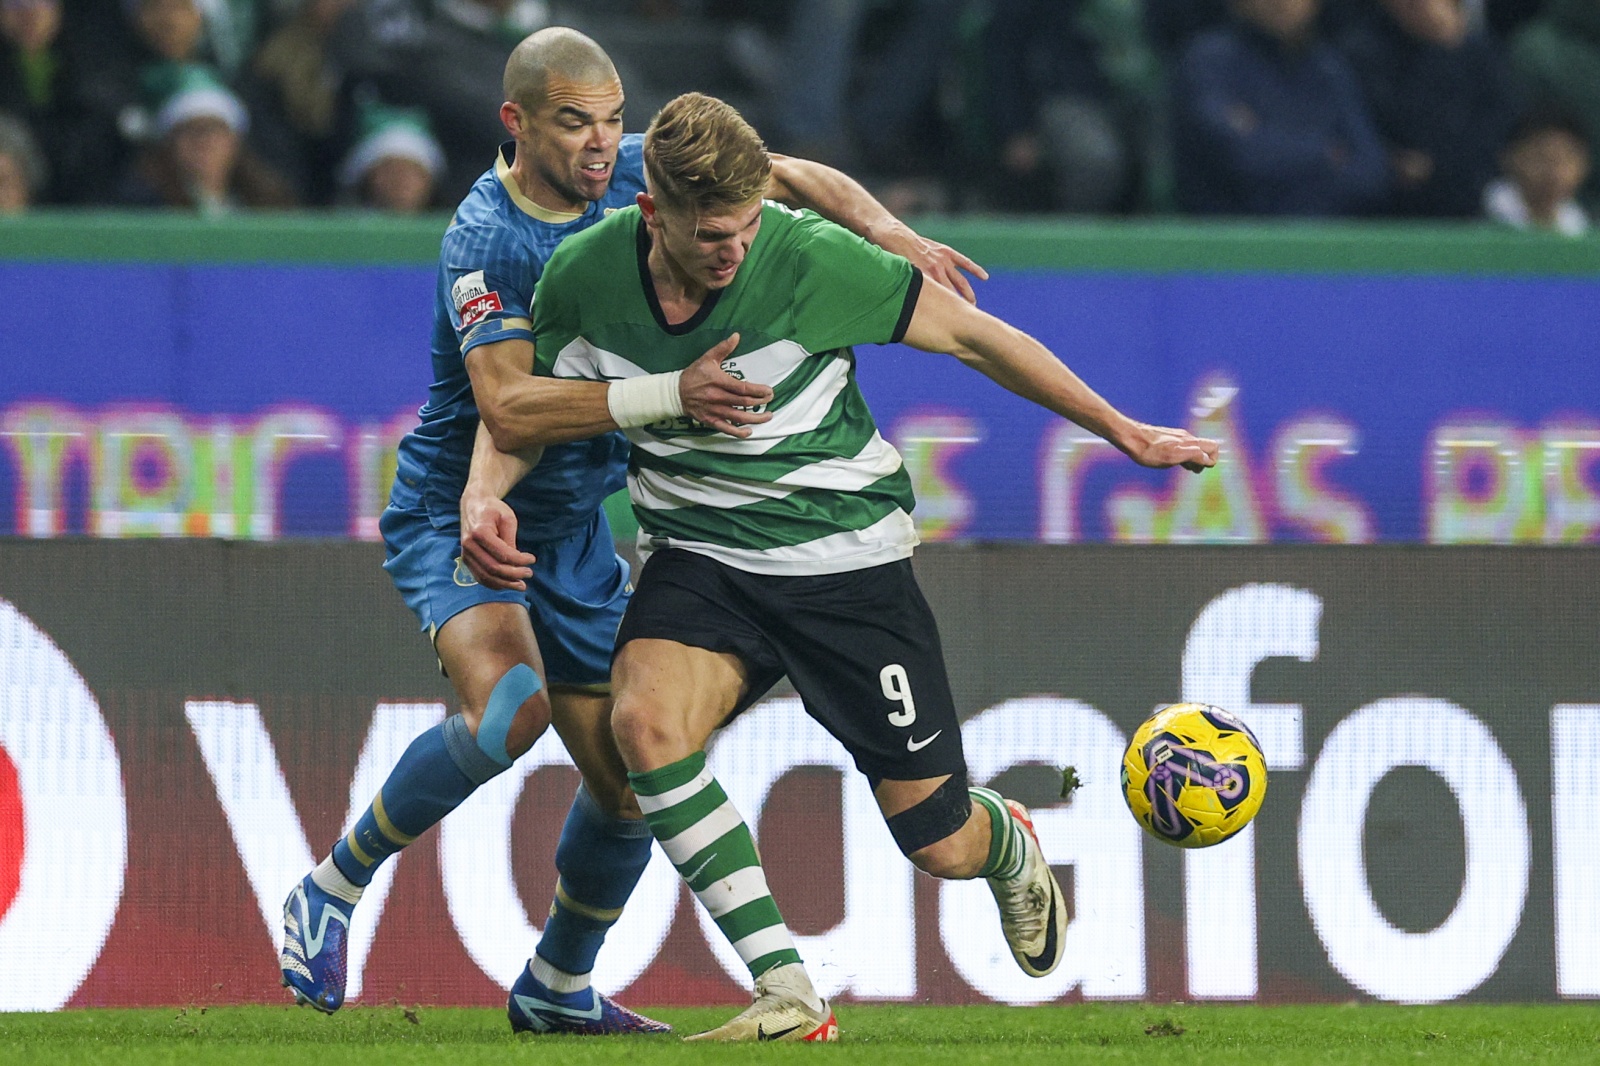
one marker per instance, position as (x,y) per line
(647,207)
(512,118)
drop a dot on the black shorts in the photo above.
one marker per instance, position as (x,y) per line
(860,647)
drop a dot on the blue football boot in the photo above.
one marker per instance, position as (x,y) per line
(316,936)
(533,1008)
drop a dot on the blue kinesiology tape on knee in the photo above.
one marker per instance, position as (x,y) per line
(513,689)
(600,859)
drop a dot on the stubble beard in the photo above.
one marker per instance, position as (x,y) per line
(572,189)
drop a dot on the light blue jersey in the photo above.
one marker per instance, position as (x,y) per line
(493,254)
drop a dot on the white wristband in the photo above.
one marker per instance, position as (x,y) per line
(643,400)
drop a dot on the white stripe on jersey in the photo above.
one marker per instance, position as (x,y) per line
(889,539)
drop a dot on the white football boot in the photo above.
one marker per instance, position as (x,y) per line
(1033,910)
(786,1007)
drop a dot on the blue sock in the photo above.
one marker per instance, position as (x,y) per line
(442,767)
(600,859)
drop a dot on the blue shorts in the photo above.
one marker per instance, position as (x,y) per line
(575,599)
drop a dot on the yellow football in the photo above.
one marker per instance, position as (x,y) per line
(1193,775)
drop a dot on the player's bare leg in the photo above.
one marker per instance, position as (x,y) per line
(582,718)
(669,698)
(996,842)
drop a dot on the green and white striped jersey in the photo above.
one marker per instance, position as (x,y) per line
(815,490)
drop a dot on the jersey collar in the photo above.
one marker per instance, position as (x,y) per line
(502,170)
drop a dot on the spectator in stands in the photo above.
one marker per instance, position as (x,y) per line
(1545,161)
(447,60)
(200,160)
(22,166)
(167,31)
(1441,96)
(44,81)
(1171,24)
(300,99)
(154,37)
(231,28)
(1558,55)
(1052,111)
(395,164)
(218,32)
(828,100)
(1269,120)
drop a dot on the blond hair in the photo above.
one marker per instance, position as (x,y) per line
(701,153)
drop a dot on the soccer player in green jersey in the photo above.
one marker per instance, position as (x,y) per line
(776,527)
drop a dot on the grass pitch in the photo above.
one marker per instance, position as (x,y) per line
(874,1036)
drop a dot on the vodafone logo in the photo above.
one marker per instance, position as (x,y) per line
(63,822)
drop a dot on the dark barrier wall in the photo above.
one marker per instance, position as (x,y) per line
(249,380)
(184,726)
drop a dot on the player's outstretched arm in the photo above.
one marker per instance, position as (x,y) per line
(521,410)
(488,524)
(943,323)
(839,198)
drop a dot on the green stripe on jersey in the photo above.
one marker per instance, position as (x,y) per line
(800,517)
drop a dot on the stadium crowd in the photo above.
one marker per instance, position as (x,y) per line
(1314,108)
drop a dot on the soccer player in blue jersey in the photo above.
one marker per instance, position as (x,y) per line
(539,650)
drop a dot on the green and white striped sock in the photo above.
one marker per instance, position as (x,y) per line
(711,846)
(1007,848)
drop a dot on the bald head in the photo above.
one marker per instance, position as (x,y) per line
(555,52)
